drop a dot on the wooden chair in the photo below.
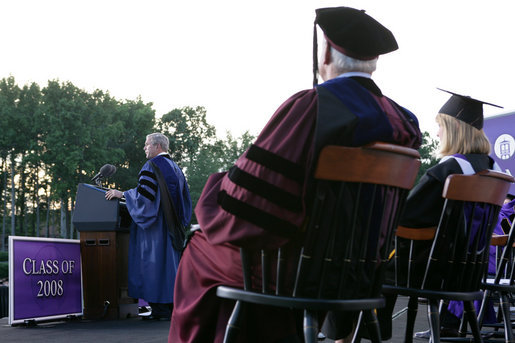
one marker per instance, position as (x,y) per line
(502,286)
(458,258)
(357,198)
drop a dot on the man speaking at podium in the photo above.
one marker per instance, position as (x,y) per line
(155,247)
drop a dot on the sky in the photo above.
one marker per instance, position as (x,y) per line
(241,59)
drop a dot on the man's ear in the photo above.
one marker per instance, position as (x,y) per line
(327,55)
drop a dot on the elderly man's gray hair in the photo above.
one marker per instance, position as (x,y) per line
(159,139)
(345,64)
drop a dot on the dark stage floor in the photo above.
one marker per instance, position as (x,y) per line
(137,330)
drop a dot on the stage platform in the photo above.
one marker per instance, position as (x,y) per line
(137,330)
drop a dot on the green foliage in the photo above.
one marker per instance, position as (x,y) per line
(4,265)
(4,270)
(188,131)
(11,123)
(73,131)
(232,149)
(58,136)
(427,152)
(134,120)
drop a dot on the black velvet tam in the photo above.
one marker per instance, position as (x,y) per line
(354,33)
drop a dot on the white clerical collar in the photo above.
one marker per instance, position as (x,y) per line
(162,153)
(355,73)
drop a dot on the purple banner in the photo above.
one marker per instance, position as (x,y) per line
(44,278)
(500,130)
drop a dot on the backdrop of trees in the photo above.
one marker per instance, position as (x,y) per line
(55,137)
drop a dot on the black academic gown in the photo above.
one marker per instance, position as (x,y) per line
(424,206)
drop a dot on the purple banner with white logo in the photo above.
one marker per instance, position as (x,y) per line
(44,278)
(500,130)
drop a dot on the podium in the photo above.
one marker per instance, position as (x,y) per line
(104,245)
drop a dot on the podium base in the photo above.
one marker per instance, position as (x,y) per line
(105,275)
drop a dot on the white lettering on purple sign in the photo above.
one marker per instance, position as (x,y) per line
(48,288)
(47,267)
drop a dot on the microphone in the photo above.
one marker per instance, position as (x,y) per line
(110,170)
(106,171)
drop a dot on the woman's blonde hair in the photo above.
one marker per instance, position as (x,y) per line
(459,137)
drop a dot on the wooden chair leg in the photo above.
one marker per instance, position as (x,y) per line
(310,326)
(434,320)
(470,314)
(506,317)
(412,316)
(370,319)
(234,325)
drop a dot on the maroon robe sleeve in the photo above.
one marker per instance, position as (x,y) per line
(259,202)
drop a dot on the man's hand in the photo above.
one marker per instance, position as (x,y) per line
(113,193)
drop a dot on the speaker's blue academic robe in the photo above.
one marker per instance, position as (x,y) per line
(153,262)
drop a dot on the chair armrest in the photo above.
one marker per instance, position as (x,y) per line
(500,240)
(416,234)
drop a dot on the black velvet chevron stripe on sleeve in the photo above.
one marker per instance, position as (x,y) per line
(266,190)
(276,163)
(150,184)
(256,216)
(147,173)
(146,193)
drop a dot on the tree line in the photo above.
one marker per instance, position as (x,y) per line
(58,136)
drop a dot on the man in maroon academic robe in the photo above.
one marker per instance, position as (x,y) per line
(261,201)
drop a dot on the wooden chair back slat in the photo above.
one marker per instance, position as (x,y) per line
(416,234)
(369,165)
(486,186)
